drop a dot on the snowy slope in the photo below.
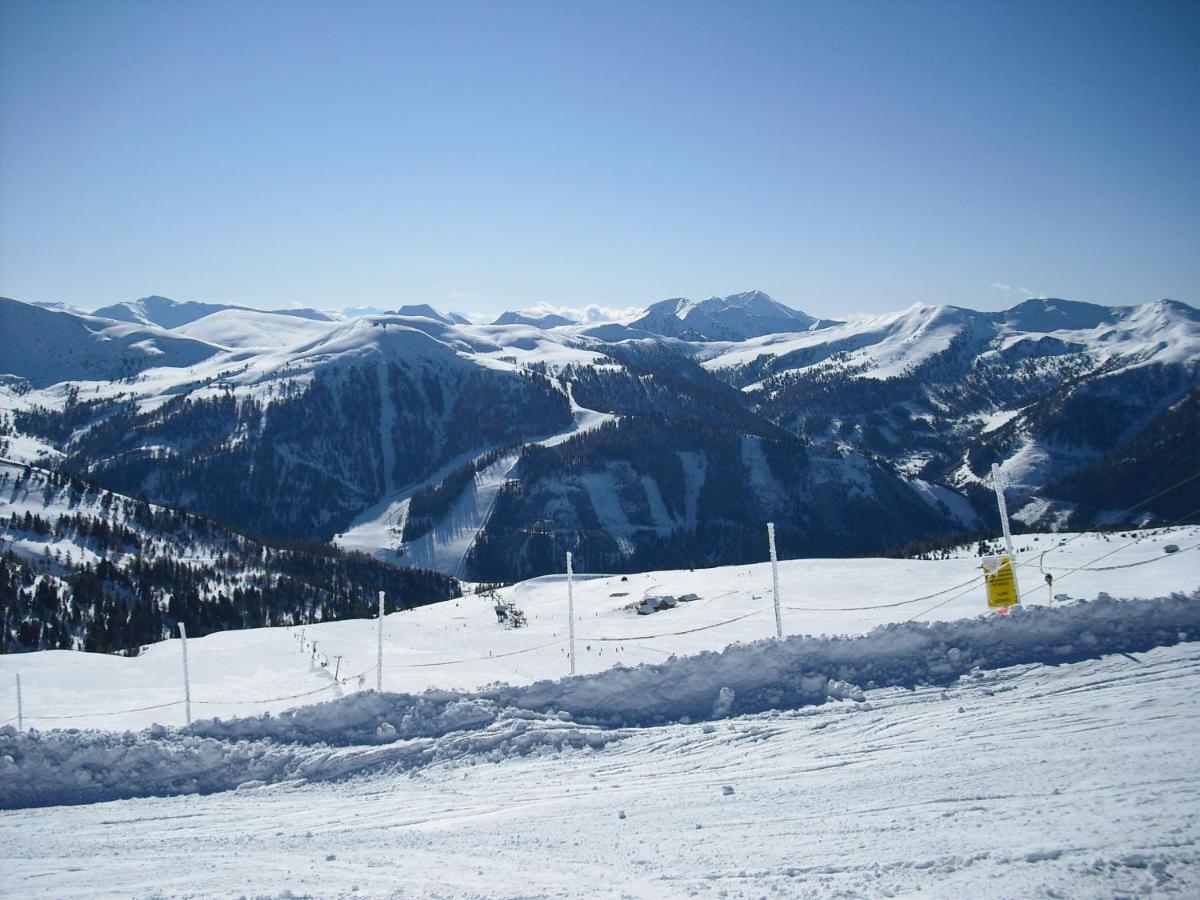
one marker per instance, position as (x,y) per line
(443,548)
(246,329)
(47,346)
(884,346)
(535,318)
(459,645)
(1048,752)
(1074,780)
(379,530)
(172,314)
(1045,389)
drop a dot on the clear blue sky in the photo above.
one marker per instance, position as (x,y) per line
(844,157)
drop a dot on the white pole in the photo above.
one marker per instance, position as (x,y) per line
(379,649)
(571,608)
(187,687)
(775,579)
(20,707)
(1008,544)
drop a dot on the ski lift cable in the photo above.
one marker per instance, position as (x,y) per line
(649,637)
(1142,562)
(955,587)
(119,712)
(451,662)
(1086,566)
(942,603)
(1132,565)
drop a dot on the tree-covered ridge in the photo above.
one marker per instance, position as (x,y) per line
(116,572)
(639,494)
(303,460)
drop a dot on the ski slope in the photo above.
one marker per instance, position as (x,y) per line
(459,645)
(1050,752)
(379,531)
(1074,780)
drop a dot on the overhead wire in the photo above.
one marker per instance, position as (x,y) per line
(649,637)
(971,581)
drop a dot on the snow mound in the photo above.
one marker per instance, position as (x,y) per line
(373,732)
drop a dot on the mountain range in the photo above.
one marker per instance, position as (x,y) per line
(664,440)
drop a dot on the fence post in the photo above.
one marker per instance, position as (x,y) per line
(187,687)
(20,707)
(379,649)
(775,579)
(1012,557)
(571,607)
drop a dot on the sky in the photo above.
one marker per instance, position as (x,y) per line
(844,157)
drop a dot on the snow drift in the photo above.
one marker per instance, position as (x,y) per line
(378,732)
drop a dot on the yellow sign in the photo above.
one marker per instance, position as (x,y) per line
(1001,585)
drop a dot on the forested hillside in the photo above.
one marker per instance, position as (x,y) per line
(82,567)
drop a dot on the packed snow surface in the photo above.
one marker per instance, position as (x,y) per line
(213,755)
(900,740)
(1037,779)
(460,645)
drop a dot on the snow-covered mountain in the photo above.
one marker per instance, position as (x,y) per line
(1044,389)
(49,346)
(733,318)
(167,313)
(537,320)
(486,451)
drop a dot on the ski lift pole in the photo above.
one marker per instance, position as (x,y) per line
(1008,544)
(379,648)
(775,579)
(571,608)
(187,686)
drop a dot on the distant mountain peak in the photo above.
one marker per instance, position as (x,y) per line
(535,319)
(424,311)
(733,318)
(748,298)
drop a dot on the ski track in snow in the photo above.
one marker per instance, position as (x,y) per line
(1075,780)
(445,547)
(378,530)
(606,503)
(767,490)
